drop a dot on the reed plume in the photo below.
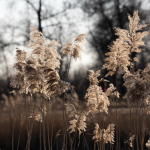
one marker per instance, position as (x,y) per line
(130,141)
(77,119)
(79,122)
(102,134)
(38,72)
(148,144)
(97,100)
(17,81)
(74,49)
(36,114)
(138,87)
(128,42)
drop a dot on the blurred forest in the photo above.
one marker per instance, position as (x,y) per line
(61,24)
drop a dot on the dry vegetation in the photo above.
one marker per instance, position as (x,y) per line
(52,112)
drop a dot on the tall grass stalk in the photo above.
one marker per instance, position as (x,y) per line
(70,139)
(137,131)
(48,138)
(66,128)
(64,112)
(31,127)
(52,133)
(116,107)
(40,126)
(19,136)
(133,126)
(119,133)
(86,141)
(143,129)
(14,123)
(27,148)
(43,124)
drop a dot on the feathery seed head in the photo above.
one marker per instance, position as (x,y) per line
(97,99)
(148,144)
(138,86)
(76,53)
(79,123)
(67,48)
(37,72)
(80,38)
(54,44)
(93,77)
(128,42)
(130,141)
(102,134)
(20,55)
(74,49)
(52,81)
(36,36)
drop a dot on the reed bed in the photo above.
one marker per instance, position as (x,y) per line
(95,125)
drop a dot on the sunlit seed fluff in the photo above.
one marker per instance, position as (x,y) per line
(37,43)
(64,87)
(130,141)
(67,48)
(118,58)
(38,114)
(78,123)
(51,55)
(97,100)
(93,77)
(109,134)
(30,76)
(76,53)
(57,134)
(138,87)
(33,88)
(20,55)
(70,109)
(80,38)
(19,66)
(17,81)
(54,43)
(148,144)
(20,59)
(36,36)
(96,132)
(39,51)
(52,81)
(74,49)
(128,42)
(78,119)
(105,135)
